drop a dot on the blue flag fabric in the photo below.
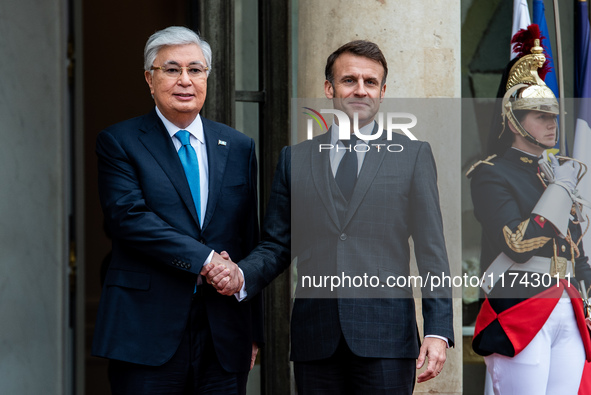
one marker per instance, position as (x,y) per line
(550,80)
(582,51)
(583,71)
(540,20)
(582,144)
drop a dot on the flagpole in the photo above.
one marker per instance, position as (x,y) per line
(559,73)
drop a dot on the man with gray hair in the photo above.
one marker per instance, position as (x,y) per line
(175,188)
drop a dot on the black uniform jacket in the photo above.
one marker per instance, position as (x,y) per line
(504,192)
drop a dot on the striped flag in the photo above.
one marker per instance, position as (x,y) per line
(540,20)
(550,79)
(582,144)
(582,50)
(521,19)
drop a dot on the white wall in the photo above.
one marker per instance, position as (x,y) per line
(421,43)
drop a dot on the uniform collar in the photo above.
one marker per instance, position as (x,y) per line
(521,158)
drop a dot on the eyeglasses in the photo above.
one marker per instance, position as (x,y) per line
(174,70)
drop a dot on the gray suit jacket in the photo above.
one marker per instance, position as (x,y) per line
(307,218)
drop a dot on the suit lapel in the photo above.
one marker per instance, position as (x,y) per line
(321,176)
(217,157)
(371,164)
(158,142)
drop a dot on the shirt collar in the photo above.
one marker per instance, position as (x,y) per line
(334,132)
(195,128)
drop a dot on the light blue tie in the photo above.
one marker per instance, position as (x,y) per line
(190,163)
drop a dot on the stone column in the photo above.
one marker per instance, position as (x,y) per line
(421,42)
(34,151)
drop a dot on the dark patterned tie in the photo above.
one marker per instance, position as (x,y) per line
(346,176)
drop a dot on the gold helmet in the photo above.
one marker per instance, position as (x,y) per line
(525,90)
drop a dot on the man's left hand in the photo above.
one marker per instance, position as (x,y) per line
(255,351)
(433,349)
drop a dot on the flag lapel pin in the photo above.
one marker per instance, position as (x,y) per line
(222,142)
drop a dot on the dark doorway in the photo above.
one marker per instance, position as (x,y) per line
(113,35)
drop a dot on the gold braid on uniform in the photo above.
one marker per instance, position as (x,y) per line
(541,179)
(480,162)
(575,246)
(574,249)
(516,242)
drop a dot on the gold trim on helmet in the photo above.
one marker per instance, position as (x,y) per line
(527,91)
(525,70)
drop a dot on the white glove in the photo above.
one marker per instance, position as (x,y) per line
(565,175)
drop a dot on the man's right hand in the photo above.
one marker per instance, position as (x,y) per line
(223,274)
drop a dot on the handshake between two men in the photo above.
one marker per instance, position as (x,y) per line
(223,274)
(351,342)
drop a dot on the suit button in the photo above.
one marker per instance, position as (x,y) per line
(343,236)
(202,241)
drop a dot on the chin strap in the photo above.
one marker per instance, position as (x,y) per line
(509,115)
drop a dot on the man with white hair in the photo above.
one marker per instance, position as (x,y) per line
(175,188)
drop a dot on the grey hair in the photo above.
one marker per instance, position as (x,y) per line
(174,35)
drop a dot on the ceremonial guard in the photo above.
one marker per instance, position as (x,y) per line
(531,328)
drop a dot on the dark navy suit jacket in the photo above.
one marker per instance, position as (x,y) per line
(159,247)
(395,198)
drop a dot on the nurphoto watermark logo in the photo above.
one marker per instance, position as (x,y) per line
(392,124)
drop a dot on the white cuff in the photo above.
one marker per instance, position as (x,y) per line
(445,339)
(199,277)
(241,295)
(209,258)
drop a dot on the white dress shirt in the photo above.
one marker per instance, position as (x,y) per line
(197,140)
(336,154)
